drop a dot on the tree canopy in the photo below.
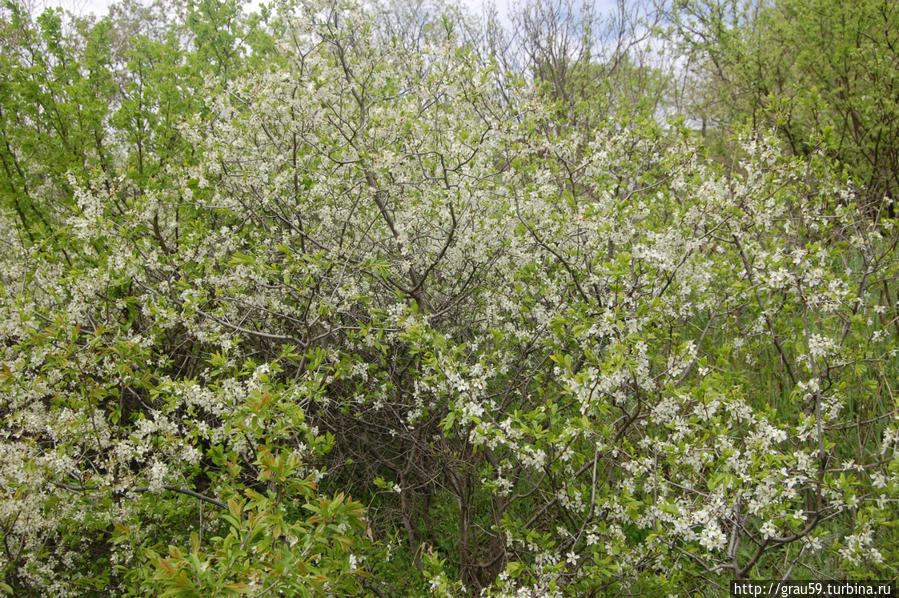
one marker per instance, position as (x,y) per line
(361,299)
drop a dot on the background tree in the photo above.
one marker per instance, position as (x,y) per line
(822,74)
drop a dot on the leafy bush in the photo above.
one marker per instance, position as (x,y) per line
(547,360)
(822,73)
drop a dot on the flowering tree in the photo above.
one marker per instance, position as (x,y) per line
(542,360)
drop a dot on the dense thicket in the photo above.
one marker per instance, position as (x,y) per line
(824,75)
(342,299)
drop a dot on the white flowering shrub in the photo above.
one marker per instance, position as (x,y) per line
(548,361)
